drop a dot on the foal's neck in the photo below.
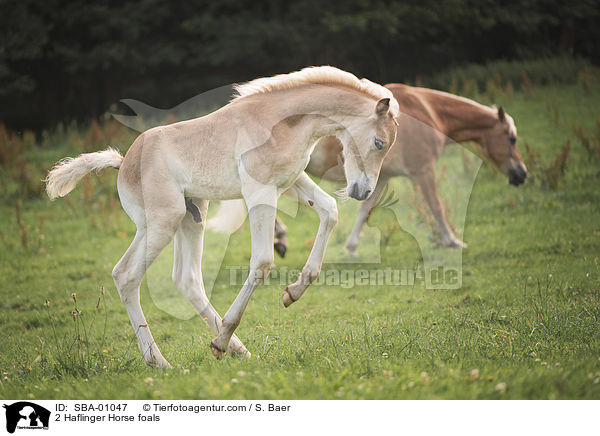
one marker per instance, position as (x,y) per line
(330,108)
(462,119)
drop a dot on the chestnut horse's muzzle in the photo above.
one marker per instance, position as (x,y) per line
(517,174)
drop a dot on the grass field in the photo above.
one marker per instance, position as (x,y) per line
(525,324)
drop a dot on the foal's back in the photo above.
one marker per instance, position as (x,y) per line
(186,153)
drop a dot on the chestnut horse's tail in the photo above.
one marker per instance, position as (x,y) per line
(66,173)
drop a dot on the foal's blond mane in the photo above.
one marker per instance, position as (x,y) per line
(325,75)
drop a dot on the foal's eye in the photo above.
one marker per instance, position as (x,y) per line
(379,144)
(512,140)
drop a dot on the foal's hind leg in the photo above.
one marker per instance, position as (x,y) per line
(156,227)
(187,274)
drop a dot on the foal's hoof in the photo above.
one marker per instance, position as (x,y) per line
(241,354)
(156,360)
(280,249)
(216,351)
(162,364)
(287,298)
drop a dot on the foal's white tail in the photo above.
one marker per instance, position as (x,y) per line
(230,216)
(66,173)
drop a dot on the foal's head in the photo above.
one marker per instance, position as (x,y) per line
(500,147)
(365,145)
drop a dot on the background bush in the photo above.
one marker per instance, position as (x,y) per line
(545,71)
(63,60)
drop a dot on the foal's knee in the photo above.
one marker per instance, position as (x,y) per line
(262,266)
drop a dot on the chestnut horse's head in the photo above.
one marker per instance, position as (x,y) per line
(500,147)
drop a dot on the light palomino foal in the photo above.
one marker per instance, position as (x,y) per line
(429,120)
(255,148)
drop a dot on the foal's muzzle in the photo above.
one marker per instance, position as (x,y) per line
(517,174)
(359,193)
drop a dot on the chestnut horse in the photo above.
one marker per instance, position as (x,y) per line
(429,120)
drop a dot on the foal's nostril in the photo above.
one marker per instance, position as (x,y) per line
(354,190)
(367,193)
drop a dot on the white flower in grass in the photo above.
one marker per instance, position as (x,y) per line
(501,387)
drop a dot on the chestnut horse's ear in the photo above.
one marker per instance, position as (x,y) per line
(383,106)
(501,113)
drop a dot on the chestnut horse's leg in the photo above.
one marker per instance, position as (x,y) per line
(426,181)
(363,214)
(187,273)
(309,193)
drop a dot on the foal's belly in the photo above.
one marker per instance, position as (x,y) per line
(218,184)
(223,182)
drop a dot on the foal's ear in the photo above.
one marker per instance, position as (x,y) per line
(501,113)
(383,106)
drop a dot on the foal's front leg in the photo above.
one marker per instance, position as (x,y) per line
(187,274)
(310,193)
(262,223)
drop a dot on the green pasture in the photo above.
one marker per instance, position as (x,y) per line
(524,324)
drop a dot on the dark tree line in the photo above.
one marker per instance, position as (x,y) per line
(62,60)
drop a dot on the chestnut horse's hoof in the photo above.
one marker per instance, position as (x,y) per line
(287,298)
(455,243)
